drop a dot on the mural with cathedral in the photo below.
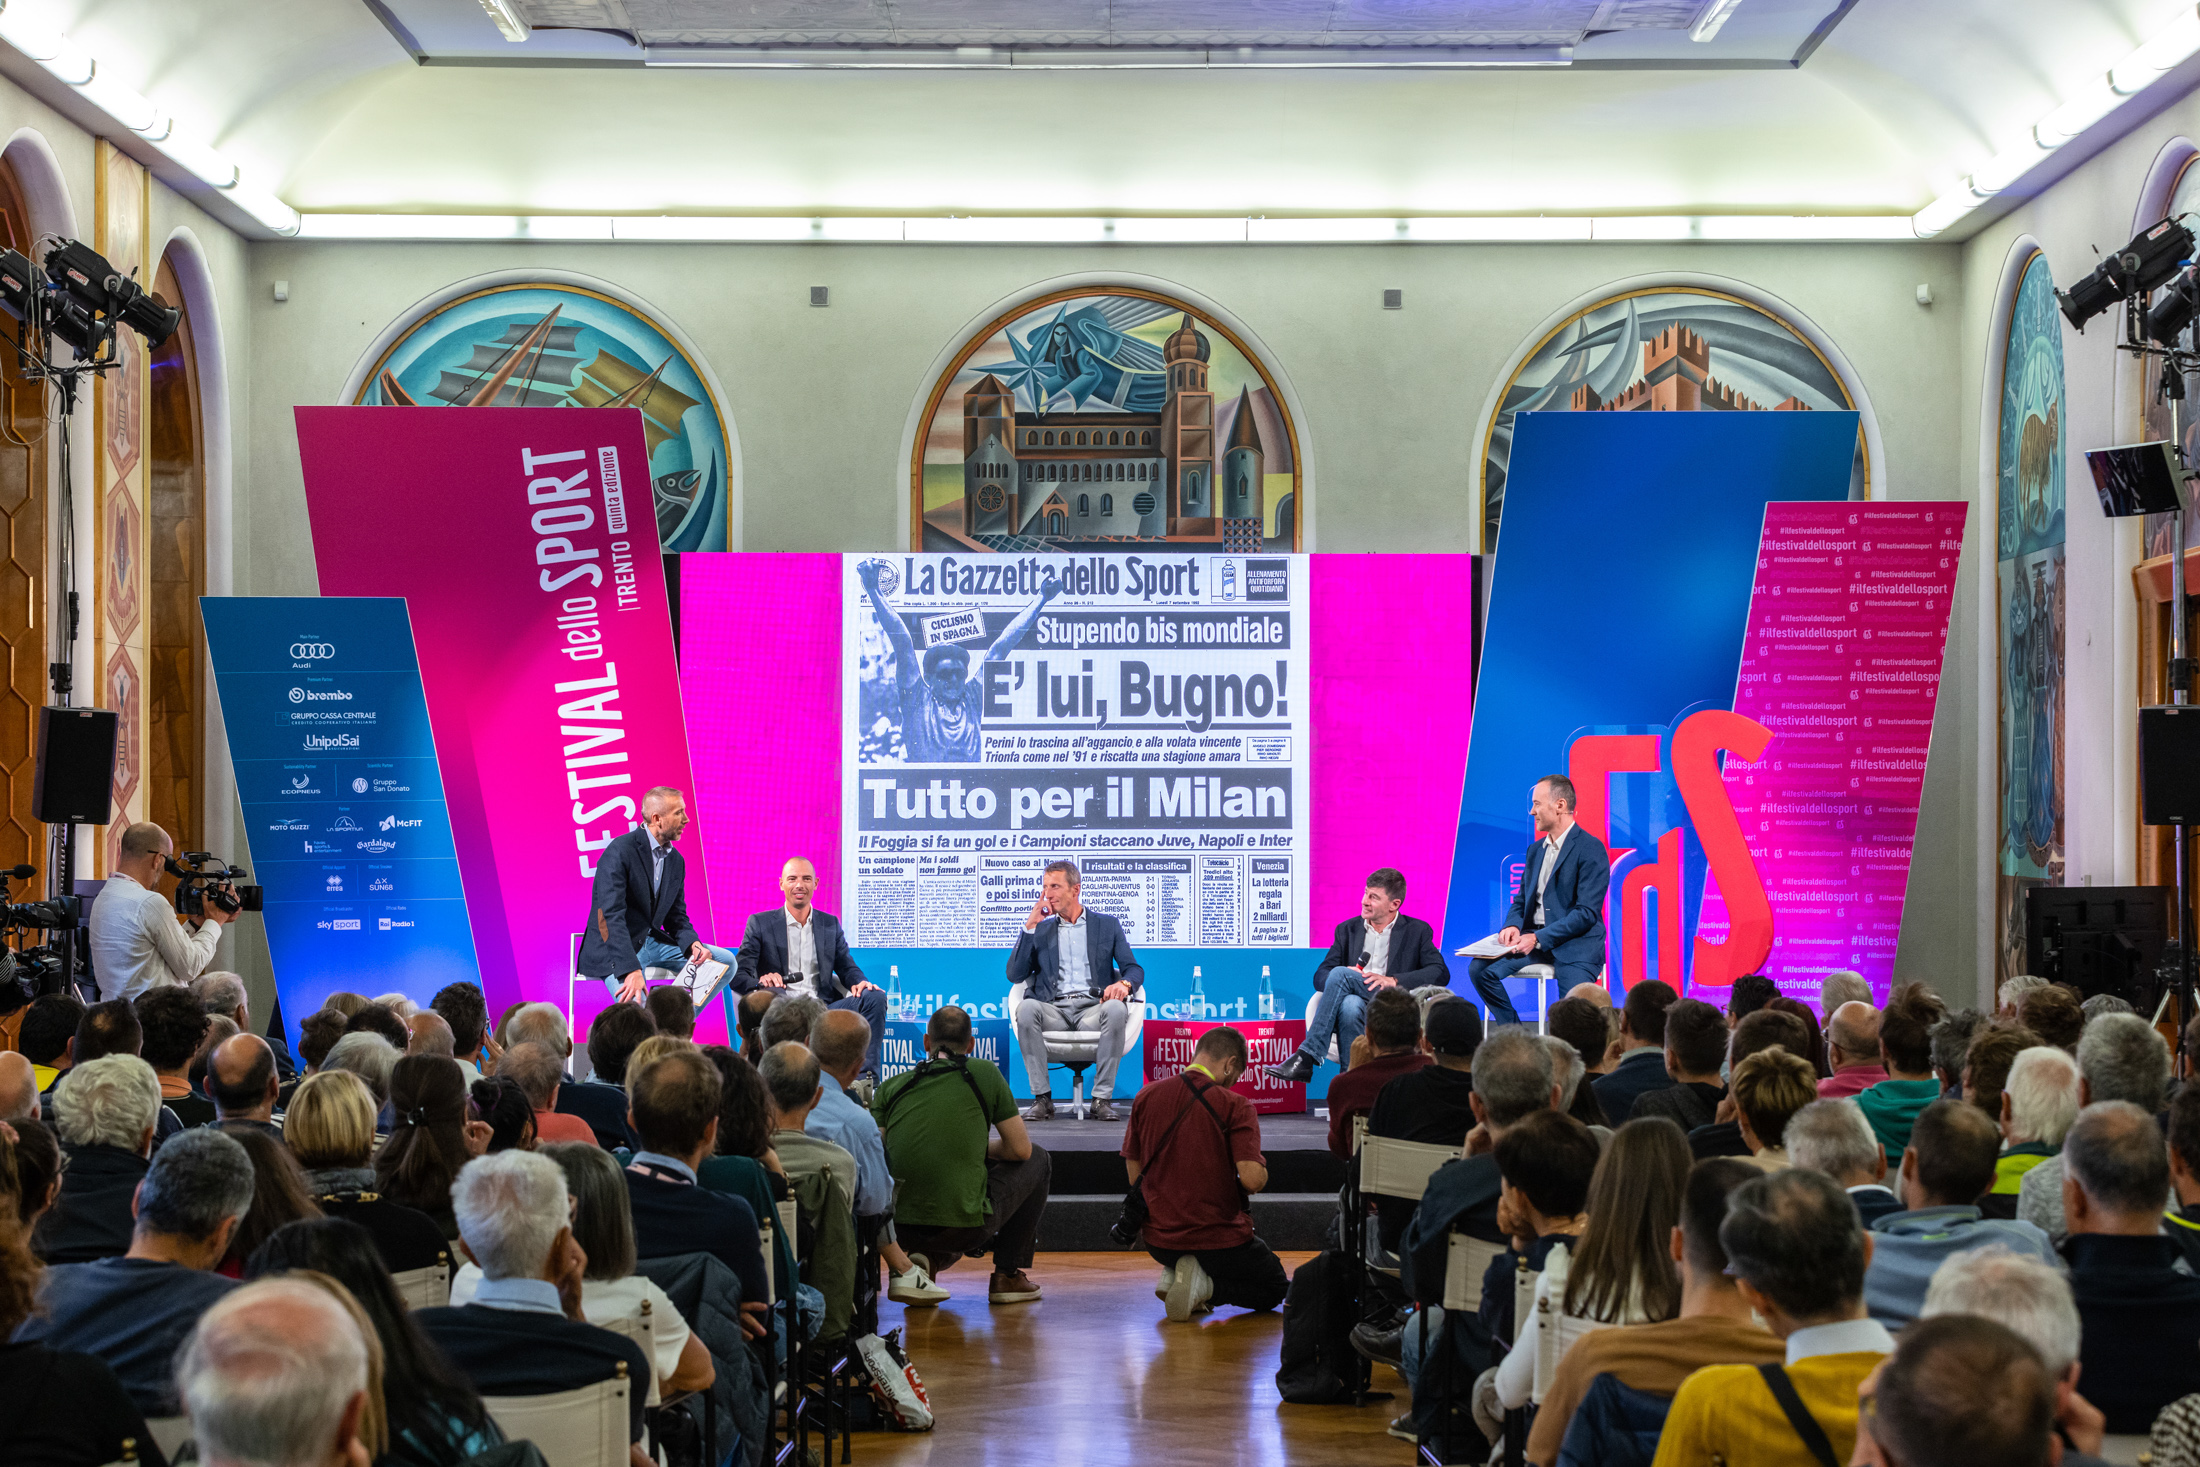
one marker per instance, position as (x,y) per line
(1105,420)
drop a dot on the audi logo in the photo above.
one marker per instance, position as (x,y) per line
(313,651)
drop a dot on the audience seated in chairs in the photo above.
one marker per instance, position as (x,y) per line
(1570,1074)
(1751,992)
(598,1101)
(429,1033)
(2038,1105)
(105,1114)
(746,1166)
(1695,1047)
(1960,1390)
(2120,1057)
(2141,1314)
(1852,1050)
(1950,1159)
(1798,1254)
(498,1103)
(279,1372)
(1641,1066)
(1433,1105)
(788,1020)
(172,1024)
(132,1311)
(612,1039)
(2033,1298)
(1713,1327)
(1952,1038)
(318,1033)
(467,1012)
(672,1009)
(2054,1012)
(1906,1053)
(1620,1270)
(434,1417)
(37,1173)
(330,1129)
(1192,1147)
(822,1179)
(47,1032)
(970,1176)
(371,1058)
(748,1019)
(280,1195)
(242,1083)
(18,1087)
(610,1288)
(525,1332)
(61,1408)
(540,1072)
(1390,1046)
(675,1112)
(1769,1087)
(1986,1064)
(1832,1136)
(430,1138)
(841,1040)
(2182,1222)
(1583,1024)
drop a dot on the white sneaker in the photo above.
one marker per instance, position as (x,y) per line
(1168,1282)
(1190,1290)
(915,1287)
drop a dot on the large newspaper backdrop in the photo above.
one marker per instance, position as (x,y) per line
(1144,716)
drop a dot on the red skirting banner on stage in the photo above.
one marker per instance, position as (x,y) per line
(1169,1044)
(524,541)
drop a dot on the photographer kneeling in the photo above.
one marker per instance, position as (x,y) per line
(137,941)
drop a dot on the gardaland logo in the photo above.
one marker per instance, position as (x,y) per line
(377,846)
(359,786)
(313,651)
(391,822)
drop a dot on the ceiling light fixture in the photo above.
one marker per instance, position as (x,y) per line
(508,19)
(1707,24)
(2087,104)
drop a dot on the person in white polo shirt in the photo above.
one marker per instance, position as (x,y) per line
(137,940)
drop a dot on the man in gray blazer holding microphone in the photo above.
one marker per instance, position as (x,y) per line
(1079,971)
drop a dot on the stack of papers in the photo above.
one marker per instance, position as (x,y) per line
(1488,947)
(702,980)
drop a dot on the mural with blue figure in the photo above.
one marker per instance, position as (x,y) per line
(1079,354)
(525,345)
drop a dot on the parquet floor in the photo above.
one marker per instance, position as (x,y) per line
(1093,1376)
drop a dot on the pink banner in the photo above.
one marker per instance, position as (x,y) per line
(524,541)
(1847,623)
(1170,1043)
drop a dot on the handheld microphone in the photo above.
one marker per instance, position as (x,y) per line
(1364,956)
(20,873)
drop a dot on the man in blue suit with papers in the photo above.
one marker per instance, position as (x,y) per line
(1080,973)
(1558,917)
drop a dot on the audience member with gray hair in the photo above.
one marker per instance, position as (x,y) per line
(1962,1392)
(224,994)
(2120,1057)
(2012,989)
(2039,1101)
(276,1372)
(1832,1136)
(1567,1072)
(398,1004)
(524,1334)
(2032,1297)
(2140,1313)
(790,1019)
(370,1057)
(1852,1051)
(2104,1003)
(795,1082)
(1842,986)
(540,1073)
(132,1311)
(1952,1038)
(105,1113)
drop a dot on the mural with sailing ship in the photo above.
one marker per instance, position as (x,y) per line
(560,346)
(1664,349)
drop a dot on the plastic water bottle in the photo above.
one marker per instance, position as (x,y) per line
(1196,1006)
(1267,994)
(897,1012)
(1229,580)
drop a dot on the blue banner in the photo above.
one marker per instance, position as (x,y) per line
(343,804)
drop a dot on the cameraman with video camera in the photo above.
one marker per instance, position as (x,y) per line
(137,941)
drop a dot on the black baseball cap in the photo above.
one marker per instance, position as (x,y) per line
(1452,1027)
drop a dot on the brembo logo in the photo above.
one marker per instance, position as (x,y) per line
(313,651)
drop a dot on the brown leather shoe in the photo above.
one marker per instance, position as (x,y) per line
(1041,1109)
(1103,1111)
(1012,1288)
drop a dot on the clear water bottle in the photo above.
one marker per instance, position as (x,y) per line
(897,1011)
(1229,580)
(1267,994)
(1196,1006)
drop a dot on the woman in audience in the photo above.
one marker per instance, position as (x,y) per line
(1769,1087)
(1621,1270)
(431,1137)
(435,1418)
(330,1129)
(656,1046)
(58,1408)
(611,1289)
(280,1195)
(346,1004)
(500,1104)
(38,1165)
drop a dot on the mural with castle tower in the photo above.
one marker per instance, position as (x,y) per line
(1664,349)
(1109,421)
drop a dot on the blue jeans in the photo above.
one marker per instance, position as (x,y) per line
(1341,1015)
(1488,976)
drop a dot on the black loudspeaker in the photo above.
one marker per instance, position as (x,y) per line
(75,778)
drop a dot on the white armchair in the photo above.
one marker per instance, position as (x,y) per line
(1077,1050)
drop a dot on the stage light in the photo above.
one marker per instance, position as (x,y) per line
(2146,264)
(2175,310)
(91,295)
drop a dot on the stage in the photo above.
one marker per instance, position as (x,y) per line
(1089,1182)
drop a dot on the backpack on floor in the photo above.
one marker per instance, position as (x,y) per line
(1318,1364)
(895,1386)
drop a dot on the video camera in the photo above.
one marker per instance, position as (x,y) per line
(41,969)
(202,877)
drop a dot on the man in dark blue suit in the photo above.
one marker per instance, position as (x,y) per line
(1558,917)
(799,949)
(637,915)
(1376,950)
(1079,972)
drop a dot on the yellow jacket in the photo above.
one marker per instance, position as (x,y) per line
(1725,1415)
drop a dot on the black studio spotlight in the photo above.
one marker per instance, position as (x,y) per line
(2169,316)
(2141,266)
(90,296)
